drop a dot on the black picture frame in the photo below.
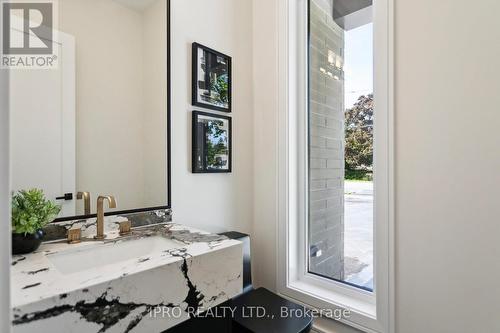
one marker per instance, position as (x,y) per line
(224,67)
(199,148)
(168,204)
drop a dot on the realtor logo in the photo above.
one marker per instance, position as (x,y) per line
(28,34)
(35,32)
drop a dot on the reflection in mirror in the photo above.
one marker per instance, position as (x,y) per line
(96,125)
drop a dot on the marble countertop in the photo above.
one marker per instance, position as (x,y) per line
(34,276)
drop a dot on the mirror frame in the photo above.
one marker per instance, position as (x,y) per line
(169,145)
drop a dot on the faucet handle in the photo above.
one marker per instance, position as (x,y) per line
(74,235)
(125,227)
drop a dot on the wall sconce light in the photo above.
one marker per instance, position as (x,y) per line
(339,63)
(331,57)
(335,60)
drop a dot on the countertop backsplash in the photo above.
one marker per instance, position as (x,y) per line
(58,230)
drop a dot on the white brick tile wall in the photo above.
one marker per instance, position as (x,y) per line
(326,163)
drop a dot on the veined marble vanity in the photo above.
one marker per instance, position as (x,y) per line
(148,281)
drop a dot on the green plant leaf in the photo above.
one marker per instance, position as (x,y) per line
(31,211)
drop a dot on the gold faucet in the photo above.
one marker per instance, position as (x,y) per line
(100,214)
(86,201)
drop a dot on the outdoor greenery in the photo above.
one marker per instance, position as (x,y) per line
(220,87)
(31,211)
(216,142)
(360,175)
(359,139)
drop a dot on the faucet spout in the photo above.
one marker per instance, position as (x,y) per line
(100,214)
(86,201)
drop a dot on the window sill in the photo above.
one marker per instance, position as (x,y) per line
(331,297)
(362,307)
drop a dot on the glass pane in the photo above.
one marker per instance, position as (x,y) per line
(341,141)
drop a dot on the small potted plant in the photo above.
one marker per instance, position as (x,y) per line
(31,211)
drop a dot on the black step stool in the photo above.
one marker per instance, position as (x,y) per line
(246,317)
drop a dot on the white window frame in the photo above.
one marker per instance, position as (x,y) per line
(370,312)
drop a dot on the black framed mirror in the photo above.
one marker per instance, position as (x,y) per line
(99,123)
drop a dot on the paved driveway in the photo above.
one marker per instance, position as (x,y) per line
(358,237)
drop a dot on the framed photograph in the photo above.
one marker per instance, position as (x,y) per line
(211,143)
(211,79)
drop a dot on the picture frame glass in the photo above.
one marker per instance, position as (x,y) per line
(213,79)
(211,143)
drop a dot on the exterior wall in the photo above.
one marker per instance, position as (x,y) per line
(326,153)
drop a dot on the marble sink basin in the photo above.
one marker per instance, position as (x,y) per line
(81,259)
(117,285)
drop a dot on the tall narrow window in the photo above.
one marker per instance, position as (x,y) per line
(340,141)
(336,137)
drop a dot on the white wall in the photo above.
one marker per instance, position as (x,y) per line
(265,57)
(213,201)
(447,164)
(5,235)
